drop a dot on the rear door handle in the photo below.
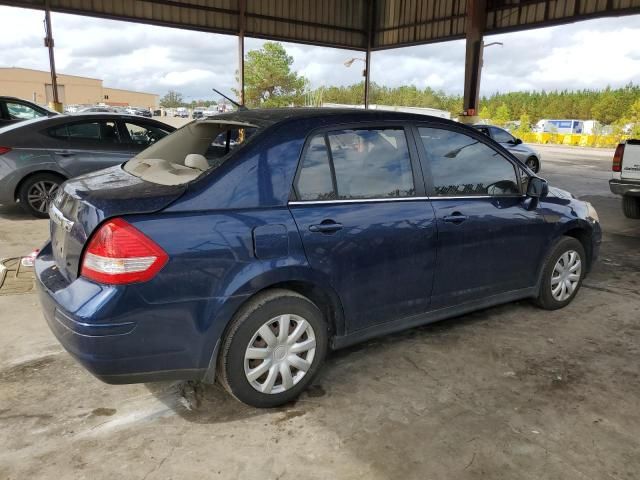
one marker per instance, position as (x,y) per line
(455,217)
(64,153)
(327,226)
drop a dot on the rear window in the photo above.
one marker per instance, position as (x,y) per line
(184,155)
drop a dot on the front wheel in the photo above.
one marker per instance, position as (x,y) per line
(533,164)
(562,274)
(274,347)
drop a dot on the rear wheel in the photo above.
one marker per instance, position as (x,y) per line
(274,347)
(533,164)
(37,192)
(563,273)
(631,206)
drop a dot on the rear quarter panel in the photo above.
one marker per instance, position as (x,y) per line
(217,260)
(18,164)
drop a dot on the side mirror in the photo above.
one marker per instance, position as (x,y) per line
(537,188)
(518,141)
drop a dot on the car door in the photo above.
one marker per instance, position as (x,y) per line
(365,223)
(490,238)
(88,145)
(139,135)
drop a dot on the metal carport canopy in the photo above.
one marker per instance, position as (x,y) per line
(351,24)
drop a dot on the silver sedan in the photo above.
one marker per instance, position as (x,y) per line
(525,153)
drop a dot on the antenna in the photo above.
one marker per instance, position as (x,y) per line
(240,107)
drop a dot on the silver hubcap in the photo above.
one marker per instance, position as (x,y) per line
(41,194)
(566,275)
(280,354)
(531,163)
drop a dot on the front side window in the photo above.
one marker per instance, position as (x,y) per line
(19,111)
(463,166)
(502,136)
(368,164)
(144,134)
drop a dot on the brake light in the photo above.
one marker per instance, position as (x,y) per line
(118,253)
(4,150)
(617,158)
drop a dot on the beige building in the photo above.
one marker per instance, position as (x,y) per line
(35,86)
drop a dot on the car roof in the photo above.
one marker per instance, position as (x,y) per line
(8,97)
(43,122)
(271,116)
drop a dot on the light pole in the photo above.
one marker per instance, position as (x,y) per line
(365,74)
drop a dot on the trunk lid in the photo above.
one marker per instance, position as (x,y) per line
(84,202)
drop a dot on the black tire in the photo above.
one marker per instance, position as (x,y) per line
(545,297)
(29,187)
(245,324)
(533,163)
(631,206)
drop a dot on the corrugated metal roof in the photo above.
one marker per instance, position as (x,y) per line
(342,23)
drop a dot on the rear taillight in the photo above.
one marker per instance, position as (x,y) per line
(4,150)
(119,253)
(617,158)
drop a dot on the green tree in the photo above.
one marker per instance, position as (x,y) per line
(635,111)
(525,124)
(503,115)
(172,99)
(485,113)
(269,81)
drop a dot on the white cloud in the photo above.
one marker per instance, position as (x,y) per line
(590,54)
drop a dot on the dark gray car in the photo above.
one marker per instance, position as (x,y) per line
(522,151)
(36,156)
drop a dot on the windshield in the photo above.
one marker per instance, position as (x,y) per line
(184,155)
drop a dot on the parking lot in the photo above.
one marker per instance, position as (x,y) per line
(508,392)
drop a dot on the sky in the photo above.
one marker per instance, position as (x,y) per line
(590,54)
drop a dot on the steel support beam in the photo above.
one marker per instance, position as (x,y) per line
(242,5)
(476,21)
(48,42)
(371,12)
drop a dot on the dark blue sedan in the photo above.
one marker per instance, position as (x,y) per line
(241,248)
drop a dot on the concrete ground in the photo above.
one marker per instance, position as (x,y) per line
(511,392)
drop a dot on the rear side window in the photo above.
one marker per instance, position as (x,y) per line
(367,163)
(463,166)
(98,131)
(315,182)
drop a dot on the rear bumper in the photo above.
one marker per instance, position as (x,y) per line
(625,187)
(116,335)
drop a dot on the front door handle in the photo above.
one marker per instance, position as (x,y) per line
(327,226)
(64,153)
(455,217)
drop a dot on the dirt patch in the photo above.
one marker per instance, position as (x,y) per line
(24,370)
(103,412)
